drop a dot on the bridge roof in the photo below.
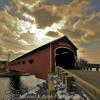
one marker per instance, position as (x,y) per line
(45,46)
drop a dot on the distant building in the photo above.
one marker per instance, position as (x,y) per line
(60,52)
(3,65)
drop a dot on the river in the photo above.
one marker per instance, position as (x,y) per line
(13,87)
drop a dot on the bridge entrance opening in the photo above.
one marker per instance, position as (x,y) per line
(65,58)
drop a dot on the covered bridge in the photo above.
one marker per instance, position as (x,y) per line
(60,52)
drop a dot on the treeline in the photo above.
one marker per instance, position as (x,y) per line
(84,63)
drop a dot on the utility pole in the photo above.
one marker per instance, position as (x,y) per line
(8,60)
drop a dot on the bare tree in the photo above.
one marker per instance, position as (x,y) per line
(83,62)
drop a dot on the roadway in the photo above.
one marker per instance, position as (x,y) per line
(91,77)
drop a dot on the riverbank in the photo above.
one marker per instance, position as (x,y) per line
(40,92)
(11,73)
(13,87)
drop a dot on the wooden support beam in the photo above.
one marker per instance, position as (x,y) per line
(51,87)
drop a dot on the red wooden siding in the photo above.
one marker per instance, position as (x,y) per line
(40,66)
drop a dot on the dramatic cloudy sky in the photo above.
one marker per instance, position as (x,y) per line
(27,24)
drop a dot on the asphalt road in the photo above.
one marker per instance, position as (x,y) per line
(91,77)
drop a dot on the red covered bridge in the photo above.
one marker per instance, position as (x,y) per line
(40,61)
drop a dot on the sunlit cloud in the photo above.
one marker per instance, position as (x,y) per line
(29,17)
(28,24)
(23,42)
(30,4)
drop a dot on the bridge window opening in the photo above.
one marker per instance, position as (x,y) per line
(65,58)
(18,62)
(31,61)
(23,62)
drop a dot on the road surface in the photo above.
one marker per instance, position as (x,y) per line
(91,77)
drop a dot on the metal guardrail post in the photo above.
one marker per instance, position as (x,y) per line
(58,72)
(83,68)
(63,77)
(87,68)
(90,68)
(68,80)
(97,69)
(61,74)
(56,69)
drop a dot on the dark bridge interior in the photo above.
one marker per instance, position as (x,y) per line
(65,58)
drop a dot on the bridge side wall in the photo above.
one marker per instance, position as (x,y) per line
(40,66)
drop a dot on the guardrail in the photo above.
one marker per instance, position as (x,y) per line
(89,67)
(66,77)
